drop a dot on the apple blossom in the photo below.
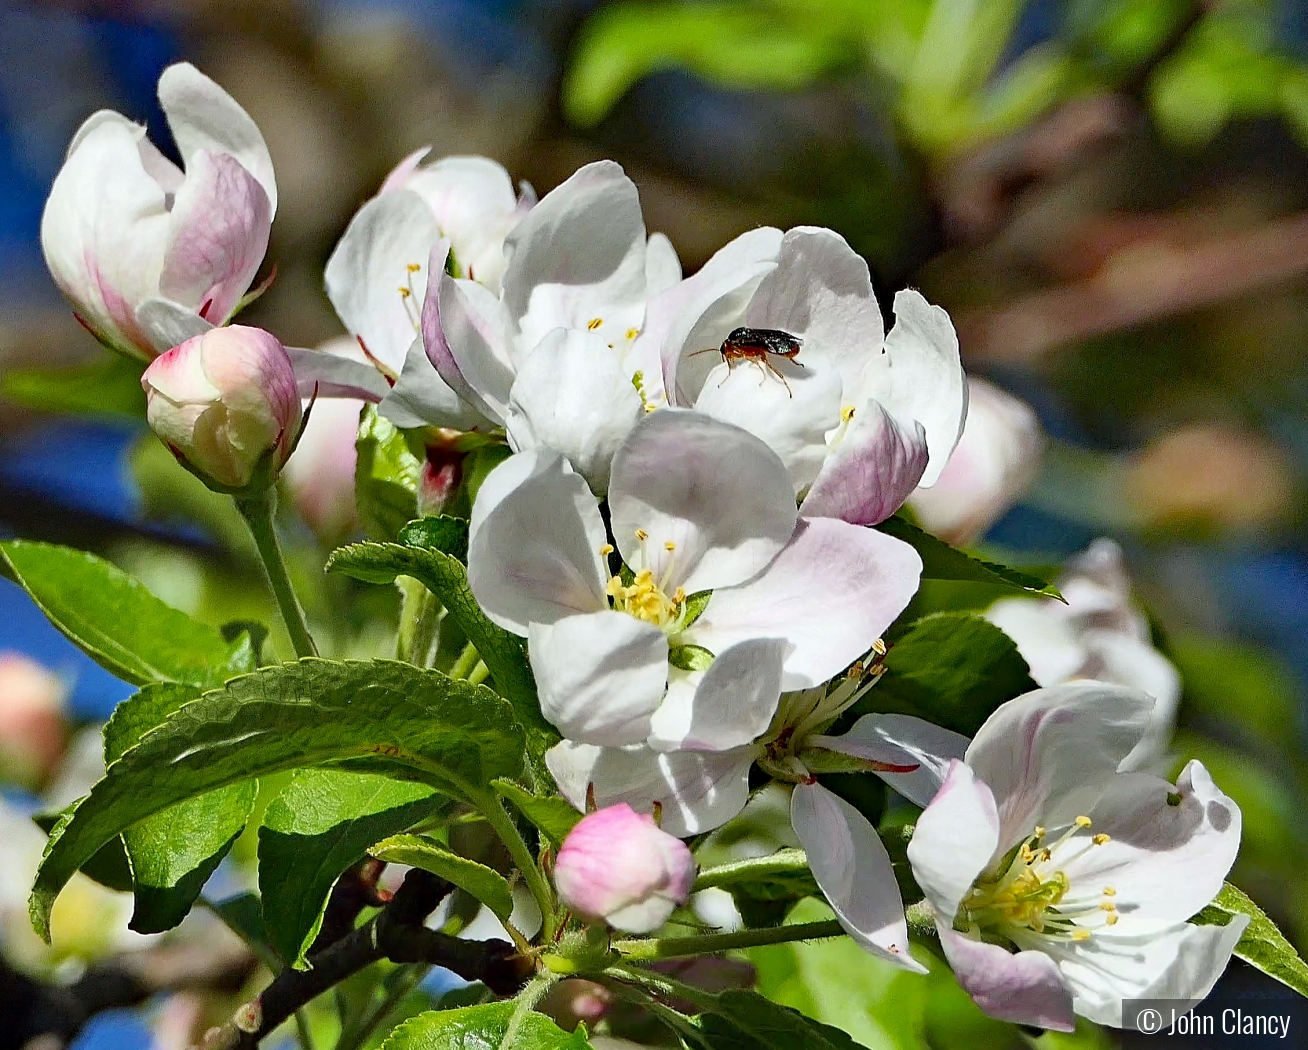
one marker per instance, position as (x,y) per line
(548,358)
(226,404)
(1098,634)
(139,245)
(617,866)
(1061,885)
(728,597)
(33,720)
(996,460)
(860,418)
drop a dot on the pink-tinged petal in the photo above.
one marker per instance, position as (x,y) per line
(1022,987)
(821,291)
(662,267)
(697,314)
(322,373)
(955,838)
(474,204)
(400,174)
(918,378)
(166,324)
(995,462)
(870,471)
(902,740)
(792,412)
(727,508)
(1045,635)
(534,543)
(572,396)
(421,398)
(1050,754)
(221,219)
(601,676)
(104,229)
(202,116)
(728,706)
(830,593)
(1170,847)
(696,790)
(466,343)
(852,868)
(320,475)
(1124,660)
(578,256)
(368,277)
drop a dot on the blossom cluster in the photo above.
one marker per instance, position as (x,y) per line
(683,533)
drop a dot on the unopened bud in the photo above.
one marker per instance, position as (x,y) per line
(33,723)
(441,473)
(226,403)
(618,867)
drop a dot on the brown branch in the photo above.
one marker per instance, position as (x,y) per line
(397,934)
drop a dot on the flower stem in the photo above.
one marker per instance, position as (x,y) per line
(258,514)
(498,818)
(420,618)
(680,947)
(479,673)
(524,1004)
(467,660)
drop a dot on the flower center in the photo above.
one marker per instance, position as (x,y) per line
(646,597)
(1034,894)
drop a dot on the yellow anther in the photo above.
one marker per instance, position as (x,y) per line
(1109,891)
(615,588)
(668,545)
(1107,906)
(606,550)
(1081,934)
(405,293)
(594,323)
(847,413)
(649,408)
(680,596)
(632,333)
(1111,920)
(1100,839)
(1082,822)
(413,267)
(1039,832)
(642,535)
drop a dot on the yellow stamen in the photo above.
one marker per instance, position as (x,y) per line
(1109,891)
(1100,839)
(1107,906)
(606,550)
(405,293)
(642,535)
(594,323)
(413,267)
(847,413)
(669,546)
(1081,934)
(1111,920)
(632,333)
(1082,822)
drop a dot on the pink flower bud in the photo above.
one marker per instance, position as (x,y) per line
(223,402)
(617,866)
(33,726)
(439,480)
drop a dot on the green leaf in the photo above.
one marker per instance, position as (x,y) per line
(764,888)
(109,386)
(733,44)
(953,669)
(385,477)
(323,822)
(747,1021)
(481,1028)
(109,867)
(782,863)
(444,534)
(409,721)
(553,817)
(486,884)
(174,852)
(695,606)
(117,622)
(690,657)
(445,576)
(1261,945)
(940,561)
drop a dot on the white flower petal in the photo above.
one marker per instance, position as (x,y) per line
(791,414)
(1165,861)
(954,840)
(871,470)
(919,377)
(720,496)
(821,291)
(662,267)
(831,592)
(164,323)
(322,373)
(731,704)
(601,675)
(1049,755)
(421,398)
(852,868)
(697,790)
(474,204)
(463,332)
(902,740)
(202,116)
(220,221)
(368,274)
(571,395)
(1120,658)
(578,256)
(534,541)
(1044,635)
(1023,987)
